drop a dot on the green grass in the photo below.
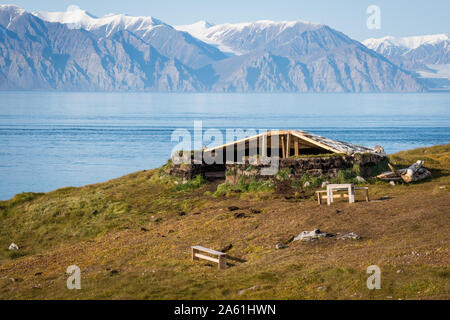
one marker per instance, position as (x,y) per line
(190,185)
(245,185)
(283,174)
(100,227)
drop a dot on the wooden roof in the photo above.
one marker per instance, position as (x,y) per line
(313,139)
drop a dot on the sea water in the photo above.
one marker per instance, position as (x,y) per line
(51,140)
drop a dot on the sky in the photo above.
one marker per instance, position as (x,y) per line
(397,17)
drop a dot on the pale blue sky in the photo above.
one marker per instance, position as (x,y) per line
(398,17)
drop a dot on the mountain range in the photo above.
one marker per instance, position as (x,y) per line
(427,56)
(76,51)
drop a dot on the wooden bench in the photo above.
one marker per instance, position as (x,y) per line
(220,260)
(339,195)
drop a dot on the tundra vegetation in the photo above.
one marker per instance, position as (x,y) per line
(131,238)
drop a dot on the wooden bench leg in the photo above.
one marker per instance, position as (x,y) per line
(367,196)
(194,251)
(351,194)
(319,198)
(222,262)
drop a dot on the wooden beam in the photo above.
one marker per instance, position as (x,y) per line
(205,257)
(313,142)
(268,134)
(283,147)
(288,145)
(296,146)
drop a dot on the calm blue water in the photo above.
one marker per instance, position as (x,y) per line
(53,140)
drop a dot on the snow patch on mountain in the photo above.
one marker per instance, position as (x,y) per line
(112,22)
(224,36)
(436,71)
(405,42)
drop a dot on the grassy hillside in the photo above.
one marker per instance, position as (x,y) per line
(131,238)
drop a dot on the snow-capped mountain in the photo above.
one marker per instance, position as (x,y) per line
(428,56)
(75,50)
(242,38)
(407,43)
(163,37)
(296,56)
(410,51)
(109,24)
(40,55)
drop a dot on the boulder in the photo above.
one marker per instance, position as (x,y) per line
(350,235)
(241,292)
(312,235)
(280,246)
(360,179)
(13,247)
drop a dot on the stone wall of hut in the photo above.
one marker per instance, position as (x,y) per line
(313,166)
(298,166)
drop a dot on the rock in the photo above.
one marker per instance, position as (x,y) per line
(181,213)
(399,271)
(307,184)
(171,231)
(233,208)
(114,272)
(392,183)
(241,292)
(360,179)
(312,235)
(95,212)
(144,229)
(255,211)
(38,274)
(227,248)
(350,235)
(239,215)
(280,246)
(158,220)
(196,213)
(324,184)
(13,247)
